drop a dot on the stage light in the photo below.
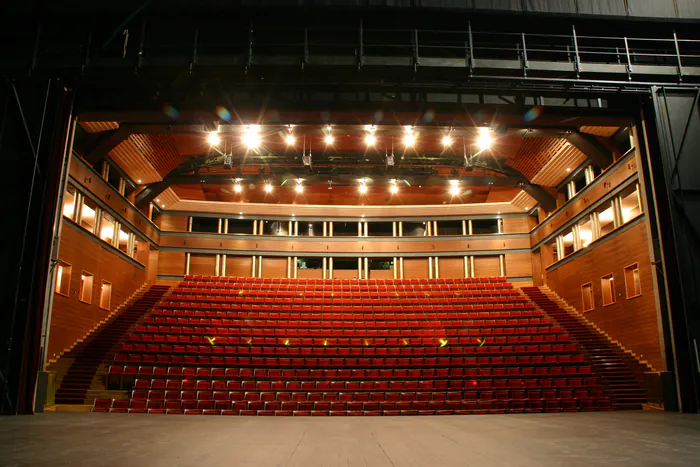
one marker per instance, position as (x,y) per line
(393,189)
(268,188)
(370,139)
(447,141)
(237,188)
(328,139)
(409,140)
(251,139)
(299,189)
(454,187)
(363,189)
(484,141)
(214,138)
(290,140)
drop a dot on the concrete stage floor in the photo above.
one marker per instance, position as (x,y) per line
(538,440)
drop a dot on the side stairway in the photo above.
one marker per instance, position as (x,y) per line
(101,345)
(620,372)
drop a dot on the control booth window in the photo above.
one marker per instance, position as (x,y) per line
(380,229)
(450,228)
(310,263)
(310,229)
(414,229)
(274,227)
(633,285)
(607,287)
(86,287)
(105,295)
(69,201)
(587,297)
(484,226)
(345,229)
(240,226)
(205,224)
(63,273)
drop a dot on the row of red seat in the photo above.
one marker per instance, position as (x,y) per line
(286,290)
(275,280)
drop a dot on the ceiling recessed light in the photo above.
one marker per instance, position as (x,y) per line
(214,138)
(237,188)
(370,139)
(268,188)
(409,140)
(363,189)
(157,200)
(299,189)
(447,141)
(290,140)
(393,189)
(568,169)
(139,181)
(328,139)
(163,205)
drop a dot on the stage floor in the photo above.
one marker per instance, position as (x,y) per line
(537,440)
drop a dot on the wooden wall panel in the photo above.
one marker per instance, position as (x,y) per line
(341,273)
(487,266)
(518,264)
(71,319)
(171,263)
(613,177)
(203,265)
(274,267)
(537,269)
(315,274)
(381,274)
(451,267)
(633,322)
(415,268)
(173,223)
(390,247)
(516,225)
(239,266)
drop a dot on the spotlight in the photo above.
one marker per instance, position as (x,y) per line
(447,141)
(328,139)
(484,141)
(409,140)
(370,139)
(214,138)
(299,188)
(363,189)
(454,187)
(393,189)
(237,188)
(268,188)
(138,181)
(251,139)
(290,140)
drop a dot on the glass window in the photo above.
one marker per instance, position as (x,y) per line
(484,226)
(88,214)
(124,240)
(310,263)
(633,285)
(69,201)
(414,229)
(587,297)
(310,229)
(275,228)
(344,229)
(606,218)
(580,181)
(345,264)
(450,228)
(607,287)
(105,295)
(86,287)
(240,226)
(107,228)
(380,229)
(206,224)
(629,200)
(383,264)
(586,232)
(568,242)
(63,278)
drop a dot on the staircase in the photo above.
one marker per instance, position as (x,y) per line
(619,371)
(101,345)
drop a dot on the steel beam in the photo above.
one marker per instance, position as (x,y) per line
(587,144)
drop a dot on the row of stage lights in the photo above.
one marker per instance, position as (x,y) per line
(251,137)
(362,188)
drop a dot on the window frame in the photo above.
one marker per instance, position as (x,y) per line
(83,277)
(608,278)
(636,268)
(109,304)
(588,284)
(57,289)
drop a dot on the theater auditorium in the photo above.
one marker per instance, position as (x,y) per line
(350,233)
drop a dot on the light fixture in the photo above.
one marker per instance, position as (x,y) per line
(268,188)
(484,141)
(251,139)
(393,189)
(299,189)
(138,181)
(237,188)
(162,205)
(157,200)
(447,141)
(568,169)
(328,128)
(454,187)
(363,188)
(527,208)
(370,128)
(370,139)
(409,140)
(214,138)
(328,139)
(290,140)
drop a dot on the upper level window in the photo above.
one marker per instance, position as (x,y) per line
(311,229)
(568,243)
(88,214)
(606,218)
(585,227)
(380,229)
(275,228)
(414,229)
(345,229)
(107,228)
(69,201)
(630,203)
(450,228)
(205,224)
(240,226)
(485,226)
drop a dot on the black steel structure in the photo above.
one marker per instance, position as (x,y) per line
(118,61)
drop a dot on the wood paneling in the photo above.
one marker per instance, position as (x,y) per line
(159,150)
(415,268)
(310,210)
(487,266)
(612,178)
(172,223)
(308,273)
(633,322)
(554,172)
(606,131)
(390,247)
(451,267)
(128,157)
(274,267)
(518,264)
(204,265)
(523,201)
(534,153)
(537,269)
(171,263)
(97,127)
(341,273)
(516,225)
(381,274)
(87,180)
(71,319)
(239,266)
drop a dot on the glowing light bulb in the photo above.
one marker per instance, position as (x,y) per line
(454,190)
(370,140)
(268,188)
(251,139)
(484,141)
(393,189)
(447,141)
(237,188)
(290,140)
(299,188)
(214,138)
(328,139)
(409,140)
(363,189)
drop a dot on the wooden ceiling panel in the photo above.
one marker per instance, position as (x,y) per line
(159,150)
(534,154)
(555,171)
(168,198)
(129,158)
(606,131)
(97,127)
(524,201)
